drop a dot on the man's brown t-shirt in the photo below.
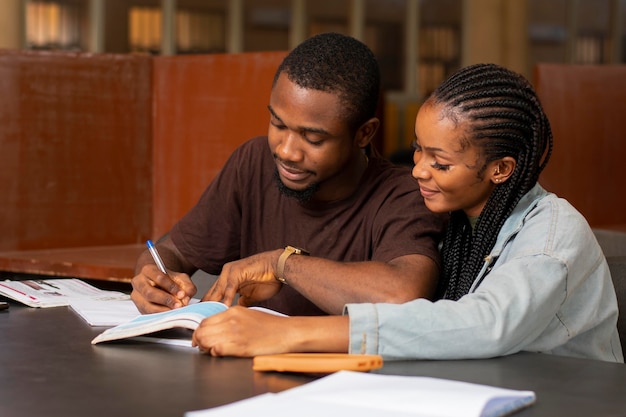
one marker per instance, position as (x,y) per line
(242,212)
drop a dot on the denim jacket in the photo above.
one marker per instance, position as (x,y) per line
(545,287)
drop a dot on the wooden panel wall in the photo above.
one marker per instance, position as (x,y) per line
(586,105)
(75,147)
(101,152)
(205,106)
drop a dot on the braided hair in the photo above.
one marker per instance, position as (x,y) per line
(504,118)
(337,64)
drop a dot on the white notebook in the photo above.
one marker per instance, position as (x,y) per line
(348,393)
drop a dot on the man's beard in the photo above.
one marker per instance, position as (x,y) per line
(303,196)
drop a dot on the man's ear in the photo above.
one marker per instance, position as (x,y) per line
(502,169)
(365,133)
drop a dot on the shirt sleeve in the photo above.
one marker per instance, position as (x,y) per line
(510,309)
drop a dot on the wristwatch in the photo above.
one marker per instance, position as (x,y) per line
(280,268)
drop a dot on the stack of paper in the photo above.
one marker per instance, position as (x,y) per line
(55,292)
(348,393)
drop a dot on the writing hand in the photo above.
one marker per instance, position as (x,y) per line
(252,277)
(154,291)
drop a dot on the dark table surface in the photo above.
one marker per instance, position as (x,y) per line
(49,368)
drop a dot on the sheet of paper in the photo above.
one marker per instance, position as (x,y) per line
(369,394)
(105,313)
(108,312)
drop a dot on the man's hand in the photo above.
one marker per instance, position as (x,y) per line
(252,277)
(153,291)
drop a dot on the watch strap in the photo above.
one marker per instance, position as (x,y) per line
(280,267)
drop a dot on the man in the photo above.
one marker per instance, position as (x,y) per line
(312,186)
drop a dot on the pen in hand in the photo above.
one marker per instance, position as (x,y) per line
(156,257)
(161,266)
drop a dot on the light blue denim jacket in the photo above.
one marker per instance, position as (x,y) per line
(545,287)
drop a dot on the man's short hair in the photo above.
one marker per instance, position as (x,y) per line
(337,64)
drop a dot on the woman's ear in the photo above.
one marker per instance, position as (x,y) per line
(366,132)
(502,169)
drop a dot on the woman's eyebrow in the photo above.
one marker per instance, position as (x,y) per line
(435,149)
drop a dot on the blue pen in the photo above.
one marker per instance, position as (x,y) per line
(156,257)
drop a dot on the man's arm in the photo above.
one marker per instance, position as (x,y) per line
(328,284)
(154,291)
(331,285)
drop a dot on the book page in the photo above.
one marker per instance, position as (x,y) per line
(188,317)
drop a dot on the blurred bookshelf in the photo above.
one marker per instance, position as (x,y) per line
(418,43)
(439,56)
(53,25)
(197,32)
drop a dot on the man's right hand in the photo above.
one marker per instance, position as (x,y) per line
(154,291)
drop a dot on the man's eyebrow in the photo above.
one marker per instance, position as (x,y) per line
(319,131)
(315,130)
(273,113)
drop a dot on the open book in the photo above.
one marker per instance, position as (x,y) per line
(347,393)
(187,317)
(55,292)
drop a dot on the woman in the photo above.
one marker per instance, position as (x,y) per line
(522,268)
